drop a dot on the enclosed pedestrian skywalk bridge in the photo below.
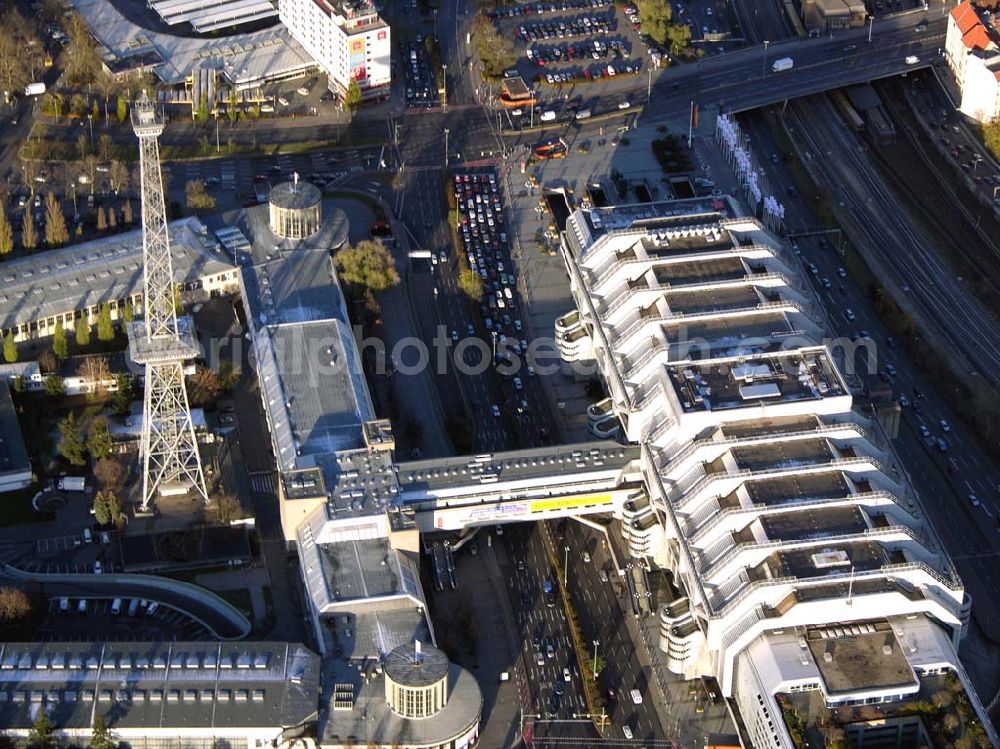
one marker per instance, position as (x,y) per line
(448,494)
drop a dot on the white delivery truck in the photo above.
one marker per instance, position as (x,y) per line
(34,89)
(780,66)
(548,116)
(72,484)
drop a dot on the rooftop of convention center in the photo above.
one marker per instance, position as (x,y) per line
(782,377)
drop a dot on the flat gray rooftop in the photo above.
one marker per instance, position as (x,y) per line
(788,376)
(722,333)
(778,491)
(861,555)
(711,300)
(515,465)
(760,427)
(244,58)
(13,453)
(179,685)
(54,282)
(308,365)
(700,271)
(860,662)
(371,717)
(359,570)
(805,525)
(782,455)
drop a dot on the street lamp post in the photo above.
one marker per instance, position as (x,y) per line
(444,80)
(975,163)
(871,23)
(90,121)
(764,66)
(565,565)
(649,82)
(446,148)
(594,670)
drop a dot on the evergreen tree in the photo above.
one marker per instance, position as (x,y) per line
(112,218)
(9,348)
(54,386)
(100,735)
(99,442)
(102,222)
(71,445)
(122,109)
(60,346)
(6,233)
(42,729)
(105,328)
(28,239)
(127,213)
(121,399)
(56,233)
(129,311)
(82,332)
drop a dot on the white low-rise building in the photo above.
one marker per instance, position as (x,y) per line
(972,49)
(776,508)
(73,282)
(347,38)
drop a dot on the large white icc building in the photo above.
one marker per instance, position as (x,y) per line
(800,558)
(347,38)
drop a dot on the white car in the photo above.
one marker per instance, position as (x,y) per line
(495,410)
(627,731)
(911,60)
(624,104)
(849,314)
(540,659)
(97,567)
(945,426)
(566,675)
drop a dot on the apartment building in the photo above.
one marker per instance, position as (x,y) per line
(347,38)
(972,50)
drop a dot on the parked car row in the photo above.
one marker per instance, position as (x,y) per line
(529,9)
(568,52)
(592,74)
(582,26)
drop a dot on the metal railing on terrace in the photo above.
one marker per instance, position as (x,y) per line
(716,517)
(887,570)
(686,495)
(770,546)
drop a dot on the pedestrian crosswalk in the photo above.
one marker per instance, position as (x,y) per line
(265,482)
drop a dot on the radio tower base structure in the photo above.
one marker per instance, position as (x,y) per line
(161,341)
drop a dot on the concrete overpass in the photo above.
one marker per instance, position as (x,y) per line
(742,80)
(449,494)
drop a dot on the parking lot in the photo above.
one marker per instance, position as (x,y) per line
(572,43)
(87,619)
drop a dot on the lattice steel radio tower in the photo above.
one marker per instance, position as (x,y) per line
(161,340)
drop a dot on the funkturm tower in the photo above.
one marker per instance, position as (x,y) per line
(161,341)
